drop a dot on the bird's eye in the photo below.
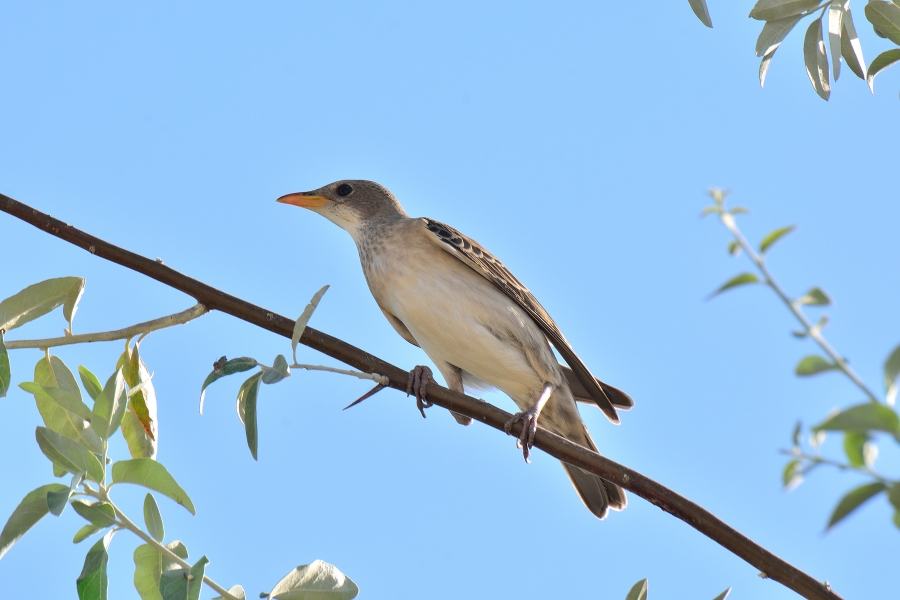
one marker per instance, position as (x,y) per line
(344,189)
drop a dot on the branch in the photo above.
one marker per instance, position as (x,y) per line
(370,376)
(125,523)
(812,331)
(696,516)
(181,318)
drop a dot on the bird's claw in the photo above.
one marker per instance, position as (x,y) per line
(419,378)
(525,440)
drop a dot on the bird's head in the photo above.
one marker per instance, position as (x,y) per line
(349,204)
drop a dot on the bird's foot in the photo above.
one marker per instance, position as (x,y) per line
(418,380)
(525,441)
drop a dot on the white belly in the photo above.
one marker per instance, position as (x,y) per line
(460,318)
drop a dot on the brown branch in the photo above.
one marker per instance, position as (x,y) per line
(696,516)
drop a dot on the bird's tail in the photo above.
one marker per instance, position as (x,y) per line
(599,495)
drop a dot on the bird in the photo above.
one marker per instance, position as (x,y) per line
(479,325)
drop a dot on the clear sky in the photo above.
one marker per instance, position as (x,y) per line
(575,140)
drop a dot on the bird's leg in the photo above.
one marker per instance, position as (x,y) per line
(529,421)
(418,380)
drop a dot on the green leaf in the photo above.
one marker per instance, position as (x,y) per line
(90,383)
(897,518)
(71,456)
(93,583)
(853,500)
(792,476)
(885,17)
(718,195)
(139,443)
(816,60)
(246,409)
(814,297)
(101,514)
(235,365)
(813,365)
(773,33)
(55,374)
(851,49)
(5,372)
(63,421)
(855,447)
(142,405)
(70,304)
(868,416)
(706,211)
(36,301)
(638,591)
(86,532)
(153,519)
(152,475)
(796,433)
(183,584)
(236,591)
(894,495)
(30,510)
(109,406)
(57,501)
(723,595)
(764,67)
(702,11)
(742,279)
(892,375)
(303,319)
(739,210)
(315,580)
(280,370)
(734,248)
(149,565)
(774,236)
(881,62)
(835,27)
(772,10)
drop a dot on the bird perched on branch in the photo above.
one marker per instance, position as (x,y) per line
(443,292)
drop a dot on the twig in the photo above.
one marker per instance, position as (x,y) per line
(812,331)
(371,376)
(141,329)
(125,523)
(821,460)
(694,515)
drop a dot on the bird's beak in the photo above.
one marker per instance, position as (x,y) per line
(304,199)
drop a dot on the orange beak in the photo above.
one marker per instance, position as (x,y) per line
(304,200)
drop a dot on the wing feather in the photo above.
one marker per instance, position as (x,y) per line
(482,262)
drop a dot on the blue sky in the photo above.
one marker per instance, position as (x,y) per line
(576,142)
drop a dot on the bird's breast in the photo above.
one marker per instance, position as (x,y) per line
(457,316)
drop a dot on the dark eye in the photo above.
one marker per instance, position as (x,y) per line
(344,189)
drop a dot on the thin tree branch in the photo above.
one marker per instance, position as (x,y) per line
(811,330)
(126,333)
(125,523)
(359,375)
(694,515)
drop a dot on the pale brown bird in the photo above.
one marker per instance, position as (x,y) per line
(480,326)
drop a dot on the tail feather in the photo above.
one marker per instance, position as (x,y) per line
(598,494)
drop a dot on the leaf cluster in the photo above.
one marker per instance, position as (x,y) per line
(859,423)
(831,32)
(75,438)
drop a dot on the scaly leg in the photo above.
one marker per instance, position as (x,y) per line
(418,380)
(529,421)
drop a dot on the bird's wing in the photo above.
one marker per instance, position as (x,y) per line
(400,327)
(482,262)
(619,399)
